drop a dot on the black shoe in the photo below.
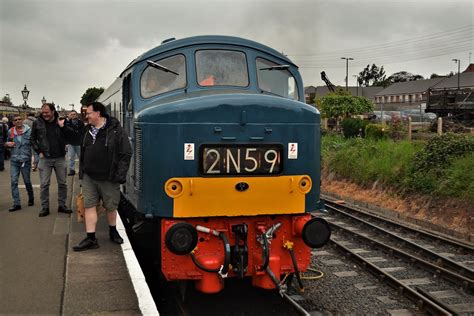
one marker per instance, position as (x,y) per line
(63,209)
(71,173)
(115,237)
(31,202)
(15,208)
(44,212)
(87,244)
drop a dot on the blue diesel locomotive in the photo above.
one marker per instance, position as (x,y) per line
(226,163)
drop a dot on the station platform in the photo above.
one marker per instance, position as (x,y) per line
(41,274)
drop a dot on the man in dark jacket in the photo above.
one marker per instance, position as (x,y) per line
(104,161)
(48,138)
(74,144)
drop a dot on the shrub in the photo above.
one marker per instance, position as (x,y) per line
(440,150)
(375,131)
(459,179)
(430,164)
(353,127)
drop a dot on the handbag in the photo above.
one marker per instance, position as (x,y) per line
(80,206)
(81,210)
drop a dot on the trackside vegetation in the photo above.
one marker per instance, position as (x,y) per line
(441,167)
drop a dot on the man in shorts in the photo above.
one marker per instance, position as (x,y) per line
(104,162)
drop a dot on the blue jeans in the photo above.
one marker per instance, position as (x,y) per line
(45,167)
(72,152)
(15,168)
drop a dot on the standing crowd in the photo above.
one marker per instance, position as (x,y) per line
(101,145)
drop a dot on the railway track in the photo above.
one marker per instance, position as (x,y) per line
(431,271)
(447,253)
(237,298)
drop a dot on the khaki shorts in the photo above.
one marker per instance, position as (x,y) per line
(95,190)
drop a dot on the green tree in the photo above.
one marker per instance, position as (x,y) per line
(403,76)
(434,75)
(340,106)
(91,95)
(371,76)
(400,76)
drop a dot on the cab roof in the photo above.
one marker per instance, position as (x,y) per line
(172,44)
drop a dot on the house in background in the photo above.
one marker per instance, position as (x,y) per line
(411,95)
(406,95)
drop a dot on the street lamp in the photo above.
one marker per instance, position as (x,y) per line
(458,61)
(43,100)
(25,92)
(347,68)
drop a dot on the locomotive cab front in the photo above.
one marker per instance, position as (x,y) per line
(227,161)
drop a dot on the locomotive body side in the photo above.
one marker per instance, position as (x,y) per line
(226,161)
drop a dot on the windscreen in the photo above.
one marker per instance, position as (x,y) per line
(156,81)
(221,68)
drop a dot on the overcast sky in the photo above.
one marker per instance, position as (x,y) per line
(59,48)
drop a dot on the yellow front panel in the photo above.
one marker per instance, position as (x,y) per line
(196,197)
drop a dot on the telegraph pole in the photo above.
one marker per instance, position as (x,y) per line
(458,61)
(347,69)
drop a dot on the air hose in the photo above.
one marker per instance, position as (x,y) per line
(225,267)
(265,252)
(289,245)
(316,277)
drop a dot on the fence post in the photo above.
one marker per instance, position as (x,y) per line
(409,128)
(325,123)
(440,125)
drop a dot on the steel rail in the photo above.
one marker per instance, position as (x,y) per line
(441,260)
(446,274)
(359,209)
(423,303)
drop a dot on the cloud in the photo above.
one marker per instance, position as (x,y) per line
(60,48)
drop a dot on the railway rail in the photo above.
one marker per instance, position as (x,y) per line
(418,266)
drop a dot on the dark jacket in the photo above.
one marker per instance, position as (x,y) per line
(117,151)
(3,133)
(39,137)
(78,128)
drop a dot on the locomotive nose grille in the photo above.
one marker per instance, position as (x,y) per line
(138,168)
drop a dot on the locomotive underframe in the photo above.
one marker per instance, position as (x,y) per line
(244,235)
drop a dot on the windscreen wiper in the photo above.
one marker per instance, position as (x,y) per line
(276,67)
(160,67)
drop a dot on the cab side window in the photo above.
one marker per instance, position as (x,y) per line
(276,81)
(156,81)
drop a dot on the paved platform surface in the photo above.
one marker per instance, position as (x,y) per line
(41,274)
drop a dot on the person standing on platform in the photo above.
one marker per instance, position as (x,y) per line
(3,139)
(20,145)
(6,152)
(74,145)
(105,158)
(48,137)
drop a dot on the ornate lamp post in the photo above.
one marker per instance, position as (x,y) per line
(25,92)
(43,100)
